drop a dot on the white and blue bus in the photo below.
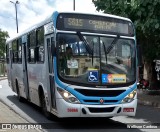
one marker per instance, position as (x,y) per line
(96,78)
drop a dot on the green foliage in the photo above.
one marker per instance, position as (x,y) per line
(145,15)
(3,36)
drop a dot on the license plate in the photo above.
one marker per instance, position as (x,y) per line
(128,109)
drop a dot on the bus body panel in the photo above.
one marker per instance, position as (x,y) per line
(17,77)
(75,110)
(65,109)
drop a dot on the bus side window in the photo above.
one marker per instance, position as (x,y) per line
(31,47)
(40,45)
(15,51)
(32,55)
(19,50)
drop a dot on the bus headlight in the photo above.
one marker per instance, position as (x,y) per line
(130,97)
(68,96)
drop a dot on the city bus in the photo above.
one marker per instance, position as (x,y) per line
(76,65)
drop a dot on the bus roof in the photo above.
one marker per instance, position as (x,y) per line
(55,13)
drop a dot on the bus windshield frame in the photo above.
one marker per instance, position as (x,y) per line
(124,63)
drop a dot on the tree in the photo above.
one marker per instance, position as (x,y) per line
(145,15)
(3,36)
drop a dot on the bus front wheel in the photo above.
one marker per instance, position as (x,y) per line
(44,107)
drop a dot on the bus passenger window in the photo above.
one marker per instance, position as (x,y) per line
(15,52)
(40,44)
(31,47)
(20,50)
(41,54)
(32,55)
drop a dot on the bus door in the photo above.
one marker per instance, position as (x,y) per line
(50,41)
(25,75)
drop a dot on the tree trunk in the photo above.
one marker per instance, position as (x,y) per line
(4,71)
(147,71)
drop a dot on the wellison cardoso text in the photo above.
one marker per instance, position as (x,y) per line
(142,126)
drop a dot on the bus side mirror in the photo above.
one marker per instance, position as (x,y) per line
(139,55)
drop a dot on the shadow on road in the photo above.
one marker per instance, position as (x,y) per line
(147,113)
(34,112)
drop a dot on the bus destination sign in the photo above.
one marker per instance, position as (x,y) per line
(89,24)
(97,24)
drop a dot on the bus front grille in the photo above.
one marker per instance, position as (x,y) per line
(98,101)
(100,93)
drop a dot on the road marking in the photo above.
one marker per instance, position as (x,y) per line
(0,86)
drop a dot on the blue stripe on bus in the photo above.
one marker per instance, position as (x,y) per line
(81,97)
(55,14)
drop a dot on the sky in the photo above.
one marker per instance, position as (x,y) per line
(30,12)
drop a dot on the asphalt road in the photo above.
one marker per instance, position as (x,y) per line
(32,113)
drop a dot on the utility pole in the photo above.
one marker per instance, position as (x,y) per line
(74,5)
(15,4)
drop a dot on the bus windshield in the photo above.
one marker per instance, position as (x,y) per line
(96,60)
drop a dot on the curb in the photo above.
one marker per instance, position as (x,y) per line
(13,110)
(150,103)
(3,78)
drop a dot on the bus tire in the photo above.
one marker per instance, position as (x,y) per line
(44,107)
(18,93)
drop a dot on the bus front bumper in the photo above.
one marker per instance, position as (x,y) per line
(65,109)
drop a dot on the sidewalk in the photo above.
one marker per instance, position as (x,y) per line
(149,98)
(7,115)
(3,77)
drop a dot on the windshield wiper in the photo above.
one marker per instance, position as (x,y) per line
(88,48)
(112,44)
(92,52)
(105,51)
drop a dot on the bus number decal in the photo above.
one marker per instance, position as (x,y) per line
(75,22)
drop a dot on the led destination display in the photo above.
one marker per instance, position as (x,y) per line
(91,23)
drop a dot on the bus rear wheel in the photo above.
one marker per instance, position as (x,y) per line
(44,107)
(18,93)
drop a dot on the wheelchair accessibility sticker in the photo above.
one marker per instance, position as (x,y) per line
(93,76)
